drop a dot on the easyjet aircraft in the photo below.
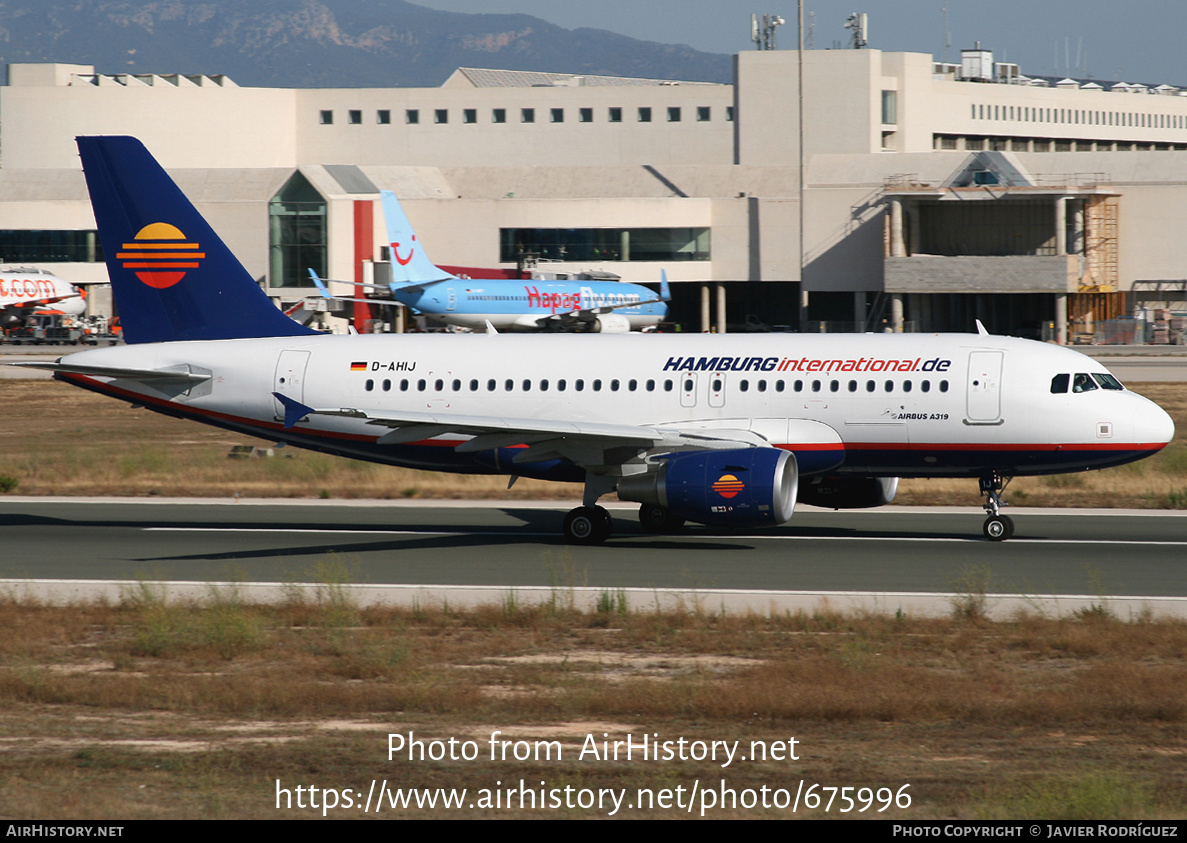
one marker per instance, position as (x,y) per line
(608,307)
(24,292)
(724,430)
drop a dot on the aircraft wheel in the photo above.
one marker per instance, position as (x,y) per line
(587,525)
(656,519)
(998,528)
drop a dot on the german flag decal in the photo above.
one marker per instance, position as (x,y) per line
(358,367)
(728,486)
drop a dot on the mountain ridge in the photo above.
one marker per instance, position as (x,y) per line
(326,43)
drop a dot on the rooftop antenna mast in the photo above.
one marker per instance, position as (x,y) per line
(762,32)
(947,34)
(860,24)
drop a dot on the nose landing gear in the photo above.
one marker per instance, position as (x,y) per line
(997,527)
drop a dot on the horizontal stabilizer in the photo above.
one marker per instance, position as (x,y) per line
(172,374)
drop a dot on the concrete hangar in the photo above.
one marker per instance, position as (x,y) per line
(933,194)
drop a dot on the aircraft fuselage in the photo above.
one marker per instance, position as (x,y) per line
(863,405)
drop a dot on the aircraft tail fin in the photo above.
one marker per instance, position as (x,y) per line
(172,277)
(410,264)
(665,292)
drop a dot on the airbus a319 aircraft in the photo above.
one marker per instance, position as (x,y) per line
(723,430)
(608,307)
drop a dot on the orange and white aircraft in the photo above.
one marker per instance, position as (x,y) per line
(25,292)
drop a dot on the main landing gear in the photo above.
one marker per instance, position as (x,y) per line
(587,525)
(656,519)
(997,527)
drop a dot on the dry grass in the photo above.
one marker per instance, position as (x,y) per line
(58,440)
(153,709)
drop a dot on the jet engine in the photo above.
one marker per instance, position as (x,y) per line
(611,323)
(848,492)
(748,487)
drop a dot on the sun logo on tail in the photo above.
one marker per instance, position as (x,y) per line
(728,486)
(159,255)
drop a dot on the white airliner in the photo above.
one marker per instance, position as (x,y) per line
(724,430)
(24,292)
(596,306)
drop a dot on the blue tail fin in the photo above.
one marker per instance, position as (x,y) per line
(410,264)
(171,275)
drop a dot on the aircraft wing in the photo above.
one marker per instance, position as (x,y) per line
(325,293)
(171,374)
(578,317)
(584,443)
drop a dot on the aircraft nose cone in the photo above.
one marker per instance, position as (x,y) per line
(1155,425)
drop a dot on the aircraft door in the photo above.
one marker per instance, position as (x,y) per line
(984,400)
(289,380)
(451,302)
(688,389)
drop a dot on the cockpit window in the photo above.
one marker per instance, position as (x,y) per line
(1059,384)
(1083,382)
(1107,381)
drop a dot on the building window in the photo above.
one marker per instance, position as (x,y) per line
(729,114)
(527,115)
(354,117)
(412,116)
(585,115)
(326,118)
(296,233)
(890,107)
(604,244)
(383,117)
(704,113)
(615,115)
(470,115)
(441,115)
(557,115)
(49,246)
(673,114)
(644,114)
(498,115)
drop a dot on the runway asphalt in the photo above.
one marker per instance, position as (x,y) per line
(1136,557)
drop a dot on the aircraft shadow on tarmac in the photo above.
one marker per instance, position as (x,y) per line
(536,526)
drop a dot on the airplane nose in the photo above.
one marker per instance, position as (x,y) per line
(1155,425)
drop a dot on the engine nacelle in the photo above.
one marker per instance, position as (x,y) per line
(748,487)
(848,492)
(611,323)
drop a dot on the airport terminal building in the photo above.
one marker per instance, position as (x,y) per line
(913,195)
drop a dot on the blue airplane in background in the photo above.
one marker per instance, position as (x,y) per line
(591,305)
